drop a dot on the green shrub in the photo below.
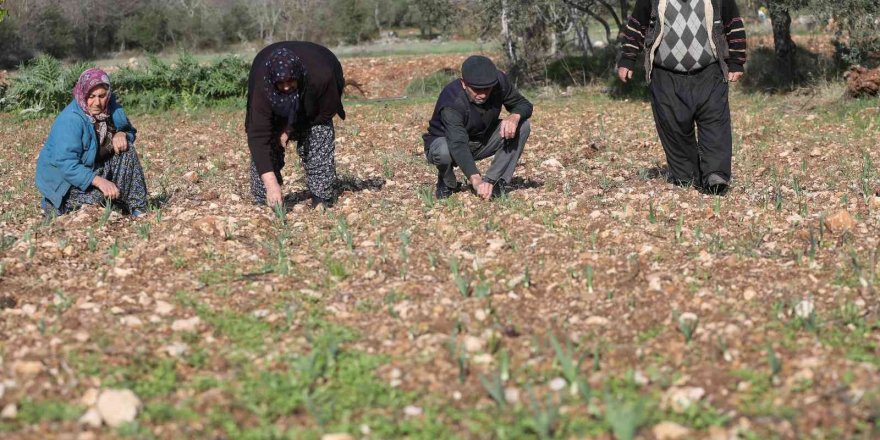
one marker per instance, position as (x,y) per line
(432,84)
(43,87)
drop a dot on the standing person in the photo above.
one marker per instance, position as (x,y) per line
(465,128)
(694,47)
(89,155)
(294,90)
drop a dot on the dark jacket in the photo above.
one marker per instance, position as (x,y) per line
(461,121)
(644,29)
(321,93)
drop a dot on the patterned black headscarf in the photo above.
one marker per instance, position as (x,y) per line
(284,65)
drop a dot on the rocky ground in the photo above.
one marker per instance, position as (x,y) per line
(596,300)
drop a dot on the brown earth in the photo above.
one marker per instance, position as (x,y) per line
(589,246)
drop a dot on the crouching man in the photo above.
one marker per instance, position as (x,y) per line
(465,128)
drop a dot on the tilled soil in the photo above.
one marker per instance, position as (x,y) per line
(759,306)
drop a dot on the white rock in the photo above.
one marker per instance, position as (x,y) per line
(176,349)
(557,383)
(412,411)
(10,411)
(118,406)
(749,294)
(496,244)
(670,431)
(91,418)
(131,321)
(511,395)
(473,344)
(90,397)
(186,325)
(551,163)
(679,399)
(480,315)
(164,308)
(596,320)
(804,309)
(337,436)
(261,313)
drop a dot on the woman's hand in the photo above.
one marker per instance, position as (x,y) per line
(107,187)
(120,142)
(273,189)
(283,138)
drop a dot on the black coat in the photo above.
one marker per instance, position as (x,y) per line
(321,93)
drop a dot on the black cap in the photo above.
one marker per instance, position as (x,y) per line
(479,72)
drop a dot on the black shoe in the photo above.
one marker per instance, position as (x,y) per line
(716,184)
(499,189)
(443,191)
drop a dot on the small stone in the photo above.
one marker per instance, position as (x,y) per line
(176,349)
(804,309)
(815,152)
(496,244)
(81,336)
(473,344)
(131,321)
(412,411)
(191,176)
(118,406)
(91,418)
(511,395)
(557,384)
(597,320)
(337,436)
(28,368)
(90,397)
(86,435)
(670,431)
(261,313)
(551,163)
(122,272)
(480,315)
(164,308)
(679,399)
(749,294)
(840,221)
(10,411)
(186,325)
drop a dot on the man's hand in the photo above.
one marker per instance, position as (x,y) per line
(283,139)
(273,189)
(509,125)
(734,76)
(120,142)
(483,189)
(107,187)
(624,74)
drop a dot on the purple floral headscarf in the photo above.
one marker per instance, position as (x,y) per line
(87,81)
(284,65)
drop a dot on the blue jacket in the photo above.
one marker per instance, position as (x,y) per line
(68,156)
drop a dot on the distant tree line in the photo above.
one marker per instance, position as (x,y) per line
(533,34)
(89,29)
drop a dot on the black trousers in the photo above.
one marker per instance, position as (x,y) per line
(681,101)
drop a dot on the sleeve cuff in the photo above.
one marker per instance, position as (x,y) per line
(629,63)
(735,66)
